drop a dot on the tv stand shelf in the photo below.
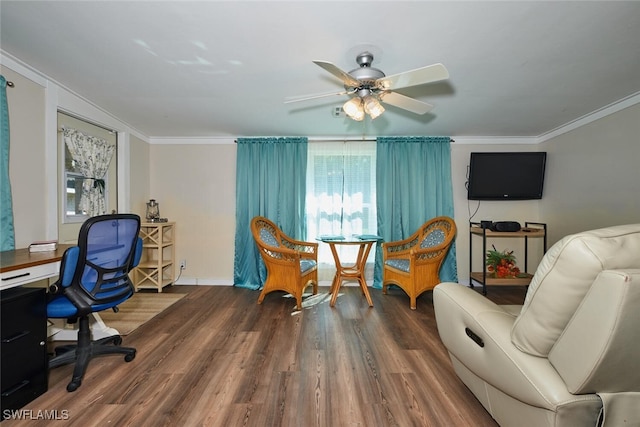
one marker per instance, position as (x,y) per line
(530,230)
(478,277)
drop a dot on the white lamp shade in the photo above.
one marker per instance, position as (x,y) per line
(372,107)
(353,108)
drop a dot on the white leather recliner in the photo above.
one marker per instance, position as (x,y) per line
(570,356)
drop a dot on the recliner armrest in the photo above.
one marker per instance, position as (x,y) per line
(527,378)
(597,351)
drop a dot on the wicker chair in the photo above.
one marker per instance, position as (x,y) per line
(291,264)
(413,263)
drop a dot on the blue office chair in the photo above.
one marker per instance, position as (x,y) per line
(94,276)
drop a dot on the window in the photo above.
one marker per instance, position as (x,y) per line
(341,195)
(88,156)
(73,190)
(71,177)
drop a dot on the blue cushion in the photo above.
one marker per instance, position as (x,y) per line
(268,237)
(400,264)
(61,308)
(306,265)
(433,239)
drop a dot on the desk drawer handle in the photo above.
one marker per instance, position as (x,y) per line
(15,277)
(15,388)
(15,337)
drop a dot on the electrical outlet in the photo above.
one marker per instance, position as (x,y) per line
(183,264)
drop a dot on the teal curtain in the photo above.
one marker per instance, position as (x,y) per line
(413,183)
(270,182)
(7,236)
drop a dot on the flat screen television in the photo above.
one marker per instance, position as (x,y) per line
(506,175)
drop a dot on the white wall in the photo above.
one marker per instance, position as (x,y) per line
(140,177)
(195,187)
(593,175)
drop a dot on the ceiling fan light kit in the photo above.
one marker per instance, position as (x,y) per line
(354,109)
(372,106)
(371,87)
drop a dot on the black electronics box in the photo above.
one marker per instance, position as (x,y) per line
(509,226)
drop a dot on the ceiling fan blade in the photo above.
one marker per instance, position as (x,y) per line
(344,76)
(419,76)
(406,103)
(291,99)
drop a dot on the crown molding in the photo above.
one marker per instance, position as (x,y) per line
(591,117)
(190,140)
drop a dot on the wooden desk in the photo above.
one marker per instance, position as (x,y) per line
(20,267)
(350,272)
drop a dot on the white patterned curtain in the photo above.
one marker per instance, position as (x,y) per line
(92,156)
(341,197)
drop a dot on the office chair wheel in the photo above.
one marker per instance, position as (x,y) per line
(130,357)
(73,385)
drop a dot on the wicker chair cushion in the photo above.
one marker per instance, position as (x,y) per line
(268,237)
(306,265)
(400,264)
(433,239)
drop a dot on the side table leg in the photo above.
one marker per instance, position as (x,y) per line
(333,283)
(365,290)
(335,289)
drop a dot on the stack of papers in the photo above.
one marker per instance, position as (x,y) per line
(43,246)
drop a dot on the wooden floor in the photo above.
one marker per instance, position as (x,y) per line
(216,358)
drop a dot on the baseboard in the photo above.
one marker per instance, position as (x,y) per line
(224,282)
(203,282)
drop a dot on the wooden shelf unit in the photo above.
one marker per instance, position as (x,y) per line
(157,265)
(530,230)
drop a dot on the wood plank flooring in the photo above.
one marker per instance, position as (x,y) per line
(216,358)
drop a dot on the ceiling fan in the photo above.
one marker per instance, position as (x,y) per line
(370,86)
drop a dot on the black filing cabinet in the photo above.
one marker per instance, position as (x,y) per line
(24,362)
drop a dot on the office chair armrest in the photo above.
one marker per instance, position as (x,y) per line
(67,269)
(137,254)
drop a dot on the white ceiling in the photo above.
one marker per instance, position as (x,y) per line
(224,68)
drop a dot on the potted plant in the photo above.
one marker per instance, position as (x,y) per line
(502,264)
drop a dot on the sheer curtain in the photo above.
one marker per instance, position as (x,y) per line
(7,232)
(413,176)
(270,182)
(341,197)
(91,156)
